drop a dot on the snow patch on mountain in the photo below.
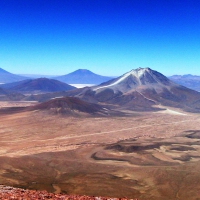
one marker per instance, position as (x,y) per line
(137,73)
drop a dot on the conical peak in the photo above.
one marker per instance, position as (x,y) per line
(137,72)
(82,71)
(140,69)
(136,77)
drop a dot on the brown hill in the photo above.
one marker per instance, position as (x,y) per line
(70,106)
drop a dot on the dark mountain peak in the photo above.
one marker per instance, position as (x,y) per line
(83,76)
(42,80)
(82,72)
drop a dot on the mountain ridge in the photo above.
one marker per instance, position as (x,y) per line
(40,85)
(187,80)
(7,77)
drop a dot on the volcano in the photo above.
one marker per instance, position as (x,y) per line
(141,89)
(136,79)
(83,76)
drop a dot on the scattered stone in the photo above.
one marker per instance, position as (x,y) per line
(11,193)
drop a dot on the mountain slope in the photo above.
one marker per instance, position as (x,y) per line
(2,91)
(82,76)
(142,89)
(7,77)
(41,85)
(6,95)
(189,81)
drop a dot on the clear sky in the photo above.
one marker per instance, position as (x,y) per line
(108,37)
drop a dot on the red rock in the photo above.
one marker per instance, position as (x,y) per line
(10,193)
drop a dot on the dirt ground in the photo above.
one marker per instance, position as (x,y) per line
(145,156)
(4,104)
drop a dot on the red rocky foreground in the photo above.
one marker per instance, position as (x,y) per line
(10,193)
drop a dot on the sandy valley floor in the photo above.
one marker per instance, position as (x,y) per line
(145,156)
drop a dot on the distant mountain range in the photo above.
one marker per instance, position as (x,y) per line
(141,89)
(7,77)
(35,86)
(189,81)
(33,76)
(83,76)
(80,76)
(86,77)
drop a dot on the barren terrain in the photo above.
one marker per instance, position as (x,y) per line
(144,156)
(11,104)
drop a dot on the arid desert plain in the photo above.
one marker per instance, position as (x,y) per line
(145,155)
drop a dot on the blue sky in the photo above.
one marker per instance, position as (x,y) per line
(108,37)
